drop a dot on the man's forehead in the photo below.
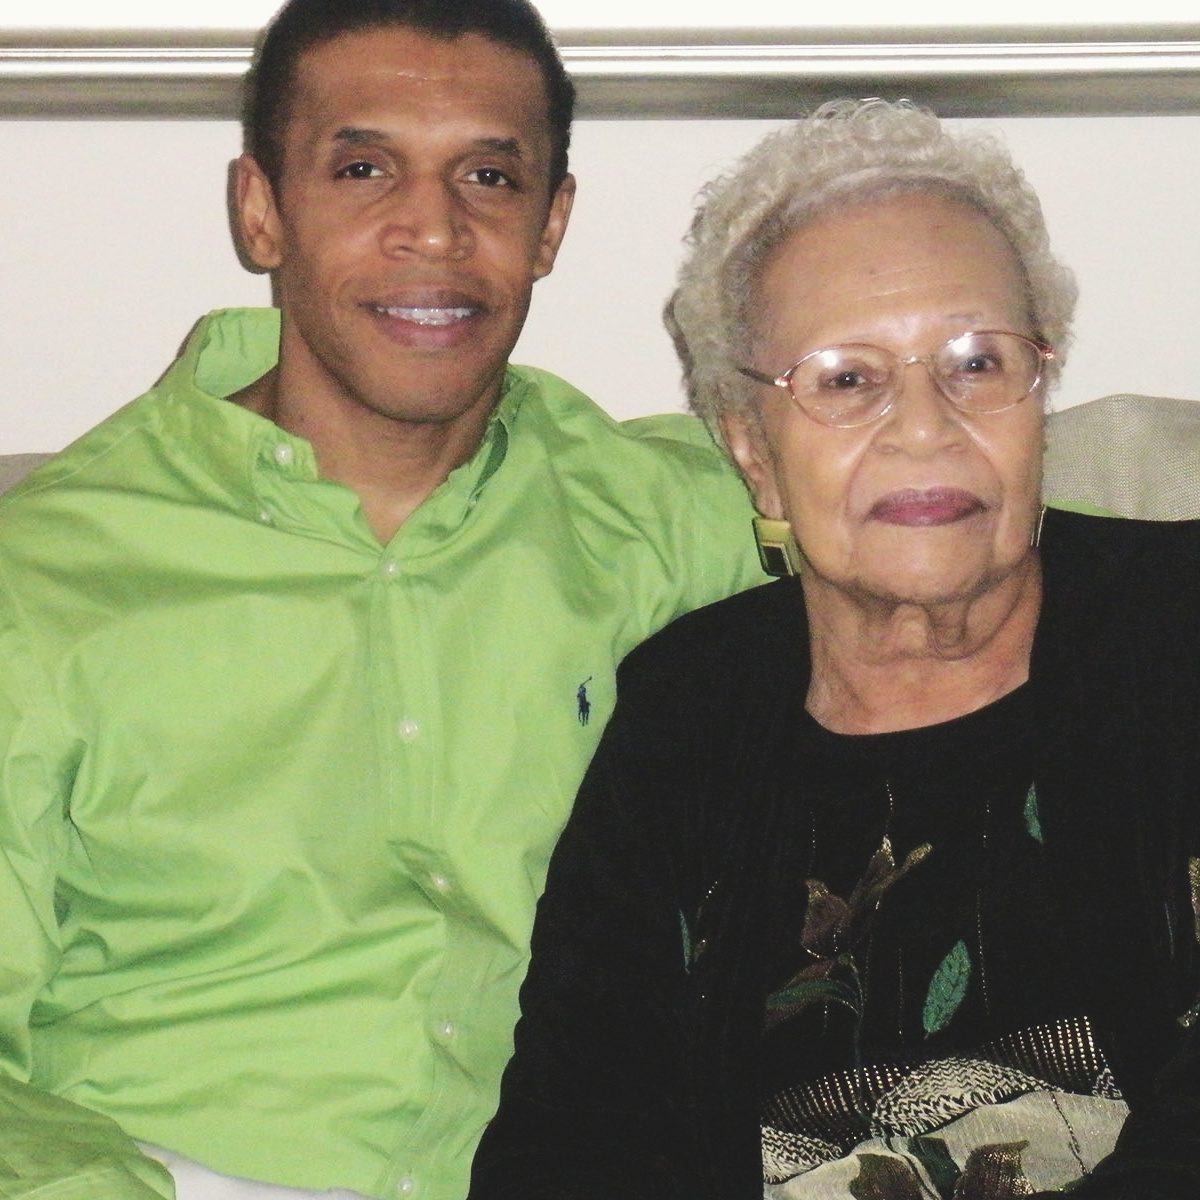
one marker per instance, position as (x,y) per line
(388,68)
(401,56)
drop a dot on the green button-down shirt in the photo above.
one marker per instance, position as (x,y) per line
(276,801)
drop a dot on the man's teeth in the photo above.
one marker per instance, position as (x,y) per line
(427,316)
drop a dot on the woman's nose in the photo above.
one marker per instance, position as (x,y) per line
(921,419)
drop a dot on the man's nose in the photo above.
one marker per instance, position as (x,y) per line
(424,217)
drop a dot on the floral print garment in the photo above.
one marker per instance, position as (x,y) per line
(929,1034)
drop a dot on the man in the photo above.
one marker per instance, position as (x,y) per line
(305,651)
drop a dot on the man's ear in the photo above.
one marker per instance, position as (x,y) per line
(257,212)
(556,226)
(749,450)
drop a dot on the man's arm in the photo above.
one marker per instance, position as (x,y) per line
(595,1102)
(50,1148)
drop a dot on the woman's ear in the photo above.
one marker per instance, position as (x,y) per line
(748,447)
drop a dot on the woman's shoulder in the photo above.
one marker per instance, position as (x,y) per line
(757,632)
(732,630)
(1121,551)
(1123,591)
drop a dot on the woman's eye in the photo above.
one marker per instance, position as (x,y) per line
(489,177)
(846,380)
(978,364)
(359,170)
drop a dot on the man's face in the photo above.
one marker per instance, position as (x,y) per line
(412,215)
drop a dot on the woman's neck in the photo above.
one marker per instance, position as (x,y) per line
(880,666)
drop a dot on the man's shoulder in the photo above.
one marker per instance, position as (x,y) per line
(568,421)
(565,404)
(23,477)
(223,350)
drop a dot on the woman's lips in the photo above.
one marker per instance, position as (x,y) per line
(926,506)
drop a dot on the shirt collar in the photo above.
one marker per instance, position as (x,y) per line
(227,351)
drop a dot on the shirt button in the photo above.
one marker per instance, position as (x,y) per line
(447,1030)
(284,454)
(409,730)
(407,1186)
(266,518)
(391,568)
(440,882)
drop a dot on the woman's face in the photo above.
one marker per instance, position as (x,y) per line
(926,504)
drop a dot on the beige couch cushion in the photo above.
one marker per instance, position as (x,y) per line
(14,467)
(1138,456)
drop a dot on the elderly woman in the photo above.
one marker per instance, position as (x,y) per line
(883,883)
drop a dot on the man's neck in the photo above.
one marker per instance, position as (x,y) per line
(392,465)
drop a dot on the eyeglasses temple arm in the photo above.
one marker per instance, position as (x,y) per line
(759,377)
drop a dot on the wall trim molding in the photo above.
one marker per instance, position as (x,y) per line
(1027,72)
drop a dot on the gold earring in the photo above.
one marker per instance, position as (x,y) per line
(1036,540)
(777,549)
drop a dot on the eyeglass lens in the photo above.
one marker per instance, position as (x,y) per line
(977,372)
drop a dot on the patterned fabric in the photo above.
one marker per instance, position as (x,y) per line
(943,1108)
(877,1035)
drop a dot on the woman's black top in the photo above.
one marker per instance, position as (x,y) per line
(764,947)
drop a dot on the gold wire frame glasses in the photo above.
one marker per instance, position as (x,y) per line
(981,371)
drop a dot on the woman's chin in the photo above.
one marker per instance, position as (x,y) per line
(929,579)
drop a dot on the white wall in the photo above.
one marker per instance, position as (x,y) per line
(114,241)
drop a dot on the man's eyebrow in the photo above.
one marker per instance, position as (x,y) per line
(509,146)
(353,135)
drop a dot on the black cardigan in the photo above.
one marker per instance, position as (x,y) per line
(635,1076)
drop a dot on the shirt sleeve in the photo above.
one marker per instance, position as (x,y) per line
(595,1101)
(50,1148)
(1157,1155)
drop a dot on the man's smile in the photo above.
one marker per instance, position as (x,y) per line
(429,316)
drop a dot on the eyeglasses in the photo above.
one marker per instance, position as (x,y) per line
(984,371)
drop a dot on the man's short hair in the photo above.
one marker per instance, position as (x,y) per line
(302,24)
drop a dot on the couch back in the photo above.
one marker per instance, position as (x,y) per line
(14,467)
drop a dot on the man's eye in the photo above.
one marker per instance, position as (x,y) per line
(358,170)
(489,177)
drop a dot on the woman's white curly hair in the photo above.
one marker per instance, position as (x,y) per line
(846,153)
